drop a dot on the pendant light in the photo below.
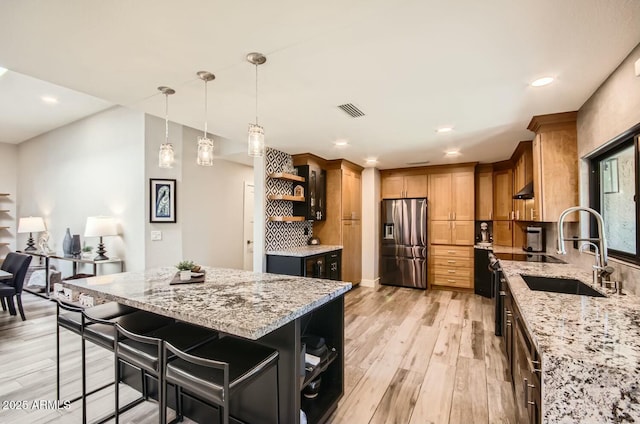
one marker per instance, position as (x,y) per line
(256,132)
(166,157)
(205,145)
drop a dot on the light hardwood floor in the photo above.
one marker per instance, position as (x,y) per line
(410,357)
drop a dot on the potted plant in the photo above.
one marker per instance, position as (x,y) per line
(185,268)
(86,251)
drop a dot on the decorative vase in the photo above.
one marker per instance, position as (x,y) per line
(76,248)
(66,244)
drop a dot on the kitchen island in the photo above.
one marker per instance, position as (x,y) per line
(271,309)
(589,347)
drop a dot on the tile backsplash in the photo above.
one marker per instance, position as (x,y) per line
(281,235)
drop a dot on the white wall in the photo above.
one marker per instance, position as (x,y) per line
(212,204)
(370,227)
(8,184)
(167,251)
(210,201)
(90,167)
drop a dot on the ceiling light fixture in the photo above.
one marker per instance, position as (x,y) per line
(205,145)
(49,99)
(540,82)
(341,143)
(166,157)
(2,71)
(372,161)
(444,129)
(452,153)
(256,132)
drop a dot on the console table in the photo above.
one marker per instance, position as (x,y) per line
(74,260)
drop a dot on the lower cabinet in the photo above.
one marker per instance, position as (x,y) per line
(524,363)
(326,265)
(452,266)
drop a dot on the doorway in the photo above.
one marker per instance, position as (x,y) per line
(247,240)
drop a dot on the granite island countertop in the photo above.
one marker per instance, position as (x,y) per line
(590,347)
(302,251)
(241,303)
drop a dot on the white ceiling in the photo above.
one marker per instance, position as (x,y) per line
(412,66)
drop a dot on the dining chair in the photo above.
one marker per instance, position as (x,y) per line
(16,264)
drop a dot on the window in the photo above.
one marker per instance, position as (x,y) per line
(614,187)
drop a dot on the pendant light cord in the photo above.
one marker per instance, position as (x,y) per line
(205,108)
(256,94)
(166,118)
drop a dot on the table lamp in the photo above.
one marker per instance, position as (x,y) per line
(100,226)
(32,224)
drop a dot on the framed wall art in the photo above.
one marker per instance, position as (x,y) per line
(162,200)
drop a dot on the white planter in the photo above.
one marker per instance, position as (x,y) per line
(185,275)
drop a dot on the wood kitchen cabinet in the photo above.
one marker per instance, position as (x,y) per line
(484,195)
(555,166)
(342,225)
(522,176)
(503,233)
(405,183)
(452,195)
(459,233)
(503,195)
(451,266)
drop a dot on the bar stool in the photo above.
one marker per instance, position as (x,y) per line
(213,372)
(146,351)
(71,319)
(102,332)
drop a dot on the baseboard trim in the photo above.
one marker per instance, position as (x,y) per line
(370,283)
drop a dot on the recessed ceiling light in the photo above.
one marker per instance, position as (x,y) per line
(49,99)
(444,129)
(542,81)
(2,70)
(452,153)
(341,143)
(372,161)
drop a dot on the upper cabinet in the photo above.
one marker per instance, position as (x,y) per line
(503,195)
(351,194)
(555,166)
(484,193)
(522,182)
(451,195)
(403,184)
(314,206)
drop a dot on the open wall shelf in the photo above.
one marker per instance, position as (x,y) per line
(285,176)
(285,197)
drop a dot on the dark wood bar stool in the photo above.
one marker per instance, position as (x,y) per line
(102,332)
(146,352)
(215,371)
(70,317)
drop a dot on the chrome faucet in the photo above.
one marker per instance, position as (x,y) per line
(601,269)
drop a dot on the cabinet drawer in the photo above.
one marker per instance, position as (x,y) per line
(445,280)
(446,272)
(452,251)
(452,262)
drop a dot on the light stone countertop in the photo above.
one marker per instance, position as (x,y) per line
(236,302)
(302,251)
(590,347)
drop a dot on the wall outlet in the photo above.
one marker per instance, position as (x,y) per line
(156,235)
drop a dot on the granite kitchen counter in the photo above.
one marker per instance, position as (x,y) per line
(590,347)
(241,303)
(302,251)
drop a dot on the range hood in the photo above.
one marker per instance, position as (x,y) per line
(525,193)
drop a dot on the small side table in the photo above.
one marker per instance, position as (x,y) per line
(74,260)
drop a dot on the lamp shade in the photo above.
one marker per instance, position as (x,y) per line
(31,224)
(98,226)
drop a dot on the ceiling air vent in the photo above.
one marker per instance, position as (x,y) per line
(351,110)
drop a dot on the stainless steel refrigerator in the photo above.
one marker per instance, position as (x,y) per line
(403,249)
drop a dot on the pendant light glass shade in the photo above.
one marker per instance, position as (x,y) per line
(166,156)
(205,151)
(256,140)
(205,144)
(256,132)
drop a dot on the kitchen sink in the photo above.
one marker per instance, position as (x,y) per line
(560,285)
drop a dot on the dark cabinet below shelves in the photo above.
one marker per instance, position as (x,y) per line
(325,265)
